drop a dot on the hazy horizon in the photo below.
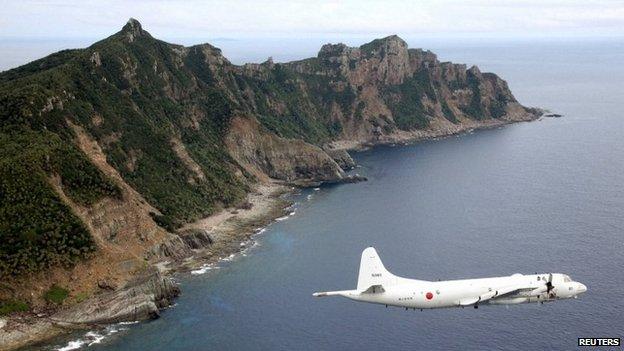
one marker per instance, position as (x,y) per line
(20,51)
(287,30)
(271,18)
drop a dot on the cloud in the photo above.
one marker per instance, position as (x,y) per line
(194,18)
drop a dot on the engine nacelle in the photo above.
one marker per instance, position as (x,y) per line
(538,291)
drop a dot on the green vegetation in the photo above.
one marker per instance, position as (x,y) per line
(37,229)
(475,108)
(497,108)
(139,114)
(448,114)
(56,295)
(405,101)
(359,110)
(297,120)
(372,48)
(10,306)
(150,106)
(82,296)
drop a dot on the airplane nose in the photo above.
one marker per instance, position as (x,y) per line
(581,288)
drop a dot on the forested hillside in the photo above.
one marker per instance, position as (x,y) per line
(191,132)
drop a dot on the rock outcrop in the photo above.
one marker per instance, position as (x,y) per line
(140,299)
(342,158)
(397,90)
(180,245)
(290,160)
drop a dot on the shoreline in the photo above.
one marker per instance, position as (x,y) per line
(228,229)
(438,129)
(230,232)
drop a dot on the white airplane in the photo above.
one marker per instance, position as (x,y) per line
(377,285)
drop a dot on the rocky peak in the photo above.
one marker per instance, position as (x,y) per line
(393,40)
(386,60)
(211,54)
(133,26)
(475,71)
(389,45)
(332,50)
(133,29)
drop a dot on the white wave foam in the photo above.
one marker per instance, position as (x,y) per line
(128,323)
(93,337)
(309,197)
(72,345)
(292,213)
(96,338)
(317,189)
(204,268)
(229,258)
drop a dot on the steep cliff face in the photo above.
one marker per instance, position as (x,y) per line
(396,89)
(265,154)
(132,137)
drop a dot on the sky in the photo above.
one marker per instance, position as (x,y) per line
(309,18)
(251,31)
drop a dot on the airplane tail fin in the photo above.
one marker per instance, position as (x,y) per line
(372,271)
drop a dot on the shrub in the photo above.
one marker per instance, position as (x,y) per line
(81,297)
(56,295)
(10,306)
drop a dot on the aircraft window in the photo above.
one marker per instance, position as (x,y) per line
(538,278)
(570,288)
(438,292)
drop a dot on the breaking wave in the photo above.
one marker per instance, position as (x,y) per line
(94,337)
(204,268)
(245,245)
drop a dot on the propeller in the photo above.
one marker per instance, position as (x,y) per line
(550,286)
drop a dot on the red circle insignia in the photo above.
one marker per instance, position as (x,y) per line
(429,295)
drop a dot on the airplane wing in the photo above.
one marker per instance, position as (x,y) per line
(468,301)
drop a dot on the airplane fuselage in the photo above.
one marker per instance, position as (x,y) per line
(421,294)
(378,285)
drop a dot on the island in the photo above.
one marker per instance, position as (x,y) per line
(134,158)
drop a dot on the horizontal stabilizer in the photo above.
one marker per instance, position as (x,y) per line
(345,293)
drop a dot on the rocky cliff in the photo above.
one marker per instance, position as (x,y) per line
(106,151)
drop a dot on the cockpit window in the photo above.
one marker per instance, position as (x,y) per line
(566,279)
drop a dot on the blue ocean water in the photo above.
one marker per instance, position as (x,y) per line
(545,196)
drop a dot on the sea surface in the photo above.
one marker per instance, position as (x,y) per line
(545,196)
